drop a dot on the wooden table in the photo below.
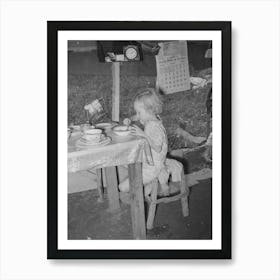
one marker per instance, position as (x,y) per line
(131,151)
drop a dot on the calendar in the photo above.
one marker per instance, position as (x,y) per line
(173,67)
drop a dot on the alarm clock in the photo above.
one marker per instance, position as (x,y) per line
(131,52)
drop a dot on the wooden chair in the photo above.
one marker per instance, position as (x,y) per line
(153,199)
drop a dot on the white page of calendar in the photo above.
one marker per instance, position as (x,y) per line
(173,67)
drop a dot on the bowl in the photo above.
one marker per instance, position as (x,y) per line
(121,130)
(104,126)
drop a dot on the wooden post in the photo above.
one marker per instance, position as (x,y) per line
(137,201)
(116,91)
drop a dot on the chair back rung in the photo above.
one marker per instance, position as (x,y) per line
(168,199)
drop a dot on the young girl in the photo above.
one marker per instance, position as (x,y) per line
(148,106)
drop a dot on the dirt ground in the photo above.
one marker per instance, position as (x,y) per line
(90,219)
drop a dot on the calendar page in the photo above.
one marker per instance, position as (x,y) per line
(173,67)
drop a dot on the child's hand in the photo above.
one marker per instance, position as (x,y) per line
(137,131)
(126,121)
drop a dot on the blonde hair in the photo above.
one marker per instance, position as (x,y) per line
(150,99)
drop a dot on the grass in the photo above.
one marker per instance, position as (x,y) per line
(186,107)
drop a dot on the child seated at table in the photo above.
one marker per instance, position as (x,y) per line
(148,106)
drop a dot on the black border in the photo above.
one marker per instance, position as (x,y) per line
(52,31)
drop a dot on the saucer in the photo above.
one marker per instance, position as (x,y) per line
(88,145)
(92,138)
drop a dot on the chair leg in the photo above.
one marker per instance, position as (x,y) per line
(99,185)
(185,195)
(152,205)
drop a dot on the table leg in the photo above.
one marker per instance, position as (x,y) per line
(112,188)
(99,185)
(137,201)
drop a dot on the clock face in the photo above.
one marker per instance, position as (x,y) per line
(131,53)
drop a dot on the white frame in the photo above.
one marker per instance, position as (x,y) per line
(63,242)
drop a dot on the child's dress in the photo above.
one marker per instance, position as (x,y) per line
(156,131)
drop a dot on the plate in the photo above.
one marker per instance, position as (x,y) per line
(89,145)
